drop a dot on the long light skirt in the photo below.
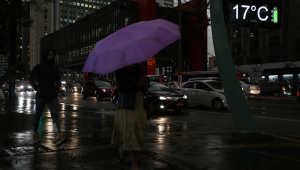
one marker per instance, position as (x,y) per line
(130,126)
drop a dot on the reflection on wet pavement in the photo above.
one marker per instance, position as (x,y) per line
(175,144)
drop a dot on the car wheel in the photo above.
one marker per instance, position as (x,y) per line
(276,93)
(84,95)
(178,110)
(98,96)
(217,104)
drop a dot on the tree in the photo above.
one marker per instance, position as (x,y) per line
(199,22)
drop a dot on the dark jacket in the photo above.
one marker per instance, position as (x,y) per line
(47,77)
(127,79)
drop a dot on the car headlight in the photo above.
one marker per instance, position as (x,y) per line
(184,97)
(103,90)
(75,88)
(21,87)
(164,98)
(29,87)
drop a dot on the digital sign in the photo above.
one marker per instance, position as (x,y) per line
(253,13)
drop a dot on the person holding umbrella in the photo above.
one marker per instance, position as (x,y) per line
(130,120)
(120,52)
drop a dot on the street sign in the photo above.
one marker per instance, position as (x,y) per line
(263,13)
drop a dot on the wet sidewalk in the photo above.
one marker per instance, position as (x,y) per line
(168,145)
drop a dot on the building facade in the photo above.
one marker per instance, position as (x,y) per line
(53,16)
(74,42)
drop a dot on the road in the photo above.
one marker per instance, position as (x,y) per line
(272,116)
(197,138)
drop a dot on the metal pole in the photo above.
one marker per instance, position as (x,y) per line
(179,45)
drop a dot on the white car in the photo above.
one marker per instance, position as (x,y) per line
(205,78)
(205,92)
(250,88)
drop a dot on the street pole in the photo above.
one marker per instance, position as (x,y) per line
(12,52)
(179,45)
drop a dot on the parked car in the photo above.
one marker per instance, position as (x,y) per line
(23,86)
(62,89)
(73,87)
(206,93)
(275,88)
(250,88)
(98,89)
(161,97)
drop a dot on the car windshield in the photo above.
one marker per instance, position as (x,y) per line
(76,84)
(24,84)
(215,84)
(159,87)
(102,84)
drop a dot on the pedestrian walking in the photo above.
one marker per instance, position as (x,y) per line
(2,97)
(130,120)
(45,79)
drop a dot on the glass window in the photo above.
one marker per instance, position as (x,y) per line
(158,87)
(102,84)
(273,78)
(288,78)
(202,86)
(189,85)
(215,84)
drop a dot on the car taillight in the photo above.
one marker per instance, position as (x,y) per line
(298,93)
(283,88)
(250,88)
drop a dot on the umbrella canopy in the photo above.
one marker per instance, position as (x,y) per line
(132,44)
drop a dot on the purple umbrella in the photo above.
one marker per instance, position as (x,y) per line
(133,44)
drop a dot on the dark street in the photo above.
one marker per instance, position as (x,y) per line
(197,138)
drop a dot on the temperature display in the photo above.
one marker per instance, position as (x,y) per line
(253,13)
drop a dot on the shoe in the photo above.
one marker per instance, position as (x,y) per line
(36,137)
(59,140)
(121,160)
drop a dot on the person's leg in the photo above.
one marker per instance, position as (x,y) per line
(133,158)
(121,153)
(40,105)
(53,107)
